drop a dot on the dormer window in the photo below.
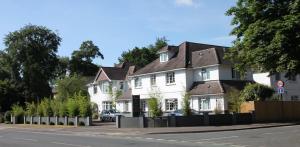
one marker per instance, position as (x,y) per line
(163,57)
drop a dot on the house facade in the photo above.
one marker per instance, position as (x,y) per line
(110,88)
(193,68)
(291,84)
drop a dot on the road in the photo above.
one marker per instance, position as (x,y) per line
(267,137)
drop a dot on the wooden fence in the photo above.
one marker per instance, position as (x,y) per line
(277,111)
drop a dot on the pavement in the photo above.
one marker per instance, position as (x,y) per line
(109,128)
(49,136)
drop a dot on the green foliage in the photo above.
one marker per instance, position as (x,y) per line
(9,94)
(114,95)
(62,109)
(7,116)
(255,92)
(72,107)
(81,60)
(30,109)
(62,67)
(267,32)
(154,107)
(84,105)
(68,86)
(145,55)
(55,106)
(46,107)
(186,104)
(31,52)
(234,100)
(17,110)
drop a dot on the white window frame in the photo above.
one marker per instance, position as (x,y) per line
(143,105)
(104,87)
(235,74)
(138,82)
(164,57)
(170,78)
(106,105)
(205,74)
(153,80)
(202,102)
(126,106)
(171,104)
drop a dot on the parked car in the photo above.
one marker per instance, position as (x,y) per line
(179,112)
(109,115)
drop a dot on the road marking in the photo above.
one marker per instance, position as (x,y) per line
(171,140)
(150,138)
(219,138)
(67,144)
(27,139)
(267,133)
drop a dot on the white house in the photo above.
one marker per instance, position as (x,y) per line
(198,69)
(107,82)
(291,85)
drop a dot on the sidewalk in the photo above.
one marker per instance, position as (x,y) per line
(110,129)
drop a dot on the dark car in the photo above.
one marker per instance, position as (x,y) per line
(179,112)
(109,115)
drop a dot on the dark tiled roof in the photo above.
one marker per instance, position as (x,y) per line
(216,87)
(186,56)
(115,73)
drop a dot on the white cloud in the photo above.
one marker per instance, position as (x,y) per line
(184,2)
(194,3)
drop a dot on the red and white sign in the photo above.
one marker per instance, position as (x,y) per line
(280,83)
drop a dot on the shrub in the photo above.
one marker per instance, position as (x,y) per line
(46,108)
(234,100)
(39,110)
(17,110)
(255,92)
(186,105)
(62,109)
(72,107)
(154,108)
(1,118)
(7,116)
(55,106)
(30,109)
(84,105)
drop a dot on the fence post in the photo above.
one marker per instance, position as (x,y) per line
(206,118)
(88,121)
(66,121)
(76,121)
(56,120)
(141,122)
(233,118)
(31,120)
(118,121)
(24,119)
(39,120)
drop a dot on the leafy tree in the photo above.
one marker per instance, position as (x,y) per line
(68,86)
(9,94)
(114,94)
(234,100)
(267,32)
(62,67)
(255,92)
(81,60)
(32,59)
(145,55)
(154,103)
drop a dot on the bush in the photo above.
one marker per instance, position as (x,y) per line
(7,116)
(46,108)
(255,92)
(154,107)
(84,105)
(55,106)
(72,107)
(1,118)
(62,109)
(186,105)
(30,109)
(95,116)
(234,100)
(17,110)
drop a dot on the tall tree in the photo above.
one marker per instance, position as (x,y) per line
(81,60)
(268,31)
(145,55)
(32,55)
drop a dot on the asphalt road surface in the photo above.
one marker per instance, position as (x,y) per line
(288,136)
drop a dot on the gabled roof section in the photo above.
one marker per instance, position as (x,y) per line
(185,57)
(119,72)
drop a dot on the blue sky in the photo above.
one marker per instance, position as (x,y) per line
(118,25)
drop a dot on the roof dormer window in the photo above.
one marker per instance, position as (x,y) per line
(163,57)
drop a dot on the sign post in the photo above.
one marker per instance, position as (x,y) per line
(280,88)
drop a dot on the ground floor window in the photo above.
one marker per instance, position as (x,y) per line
(126,106)
(143,105)
(171,104)
(106,105)
(204,104)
